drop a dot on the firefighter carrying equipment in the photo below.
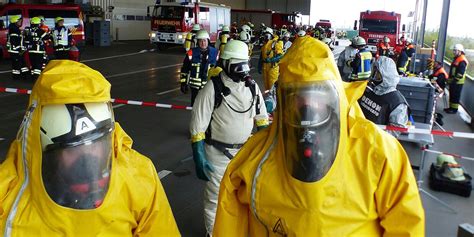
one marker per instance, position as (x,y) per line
(270,56)
(361,189)
(135,203)
(197,62)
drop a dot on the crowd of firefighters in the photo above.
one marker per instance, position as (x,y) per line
(27,47)
(316,170)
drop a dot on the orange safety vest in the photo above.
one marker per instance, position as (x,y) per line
(441,71)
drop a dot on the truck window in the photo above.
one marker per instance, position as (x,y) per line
(203,13)
(167,12)
(380,26)
(71,17)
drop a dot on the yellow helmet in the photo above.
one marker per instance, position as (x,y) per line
(58,19)
(15,19)
(35,21)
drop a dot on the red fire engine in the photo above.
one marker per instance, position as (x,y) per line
(172,20)
(374,25)
(269,18)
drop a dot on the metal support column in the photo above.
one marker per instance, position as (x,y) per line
(443,30)
(423,23)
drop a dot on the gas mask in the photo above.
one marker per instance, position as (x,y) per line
(376,76)
(76,141)
(311,128)
(237,69)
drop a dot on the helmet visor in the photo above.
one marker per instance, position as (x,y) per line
(78,177)
(310,128)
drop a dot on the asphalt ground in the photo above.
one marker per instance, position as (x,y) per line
(138,72)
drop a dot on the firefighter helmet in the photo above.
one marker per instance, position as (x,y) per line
(244,36)
(196,27)
(58,19)
(386,39)
(246,28)
(202,34)
(35,21)
(359,41)
(458,47)
(235,49)
(226,28)
(301,33)
(15,19)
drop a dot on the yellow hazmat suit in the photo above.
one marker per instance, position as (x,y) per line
(270,50)
(135,203)
(369,190)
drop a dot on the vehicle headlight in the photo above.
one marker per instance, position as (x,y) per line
(152,35)
(180,36)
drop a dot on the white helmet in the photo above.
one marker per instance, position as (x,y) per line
(301,33)
(327,41)
(244,36)
(225,28)
(458,47)
(287,34)
(235,49)
(246,28)
(409,41)
(202,34)
(196,27)
(269,30)
(359,41)
(75,124)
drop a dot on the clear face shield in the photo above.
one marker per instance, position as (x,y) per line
(311,128)
(76,167)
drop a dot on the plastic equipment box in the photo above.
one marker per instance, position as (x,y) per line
(420,95)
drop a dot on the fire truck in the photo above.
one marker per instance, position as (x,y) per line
(269,18)
(326,25)
(70,12)
(374,25)
(172,20)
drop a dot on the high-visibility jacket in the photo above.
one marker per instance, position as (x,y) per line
(62,38)
(440,73)
(14,39)
(361,65)
(457,73)
(34,39)
(196,66)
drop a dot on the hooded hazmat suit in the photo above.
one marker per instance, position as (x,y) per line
(369,189)
(135,203)
(348,54)
(382,103)
(272,52)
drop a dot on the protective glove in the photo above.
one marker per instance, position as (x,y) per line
(184,87)
(261,127)
(203,167)
(214,71)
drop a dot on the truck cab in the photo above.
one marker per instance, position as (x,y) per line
(171,22)
(374,25)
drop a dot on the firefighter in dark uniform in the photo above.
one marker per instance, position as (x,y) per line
(361,64)
(34,39)
(382,103)
(405,57)
(16,48)
(457,75)
(194,72)
(62,38)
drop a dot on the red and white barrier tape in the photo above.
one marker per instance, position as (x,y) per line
(117,101)
(444,153)
(427,131)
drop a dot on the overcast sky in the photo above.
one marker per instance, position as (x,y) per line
(460,18)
